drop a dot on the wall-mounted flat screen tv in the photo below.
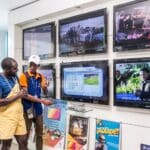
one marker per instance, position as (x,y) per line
(24,68)
(132,82)
(83,34)
(48,71)
(39,40)
(132,26)
(85,82)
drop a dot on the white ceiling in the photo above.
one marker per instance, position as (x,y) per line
(5,6)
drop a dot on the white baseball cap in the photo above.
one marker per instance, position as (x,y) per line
(35,59)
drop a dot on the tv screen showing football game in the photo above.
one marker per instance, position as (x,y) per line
(48,72)
(39,40)
(132,26)
(132,83)
(83,34)
(85,82)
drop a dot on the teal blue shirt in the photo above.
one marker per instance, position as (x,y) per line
(6,84)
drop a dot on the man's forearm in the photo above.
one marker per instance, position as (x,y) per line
(39,100)
(45,91)
(6,101)
(33,98)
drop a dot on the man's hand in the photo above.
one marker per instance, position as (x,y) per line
(23,92)
(46,102)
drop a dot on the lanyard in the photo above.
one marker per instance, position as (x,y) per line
(35,85)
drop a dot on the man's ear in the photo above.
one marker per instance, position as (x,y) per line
(7,70)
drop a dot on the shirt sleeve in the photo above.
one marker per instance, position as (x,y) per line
(0,92)
(43,82)
(23,80)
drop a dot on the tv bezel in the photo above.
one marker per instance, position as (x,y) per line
(23,68)
(133,46)
(53,35)
(126,103)
(97,13)
(93,100)
(51,67)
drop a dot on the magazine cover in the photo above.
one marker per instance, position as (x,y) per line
(145,147)
(78,131)
(55,125)
(107,135)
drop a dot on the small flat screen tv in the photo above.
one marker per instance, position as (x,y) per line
(132,26)
(39,40)
(145,147)
(24,68)
(132,82)
(48,71)
(85,82)
(83,34)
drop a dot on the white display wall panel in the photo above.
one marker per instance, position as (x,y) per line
(135,122)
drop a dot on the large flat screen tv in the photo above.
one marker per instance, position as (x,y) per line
(39,40)
(48,71)
(83,34)
(85,82)
(132,82)
(132,26)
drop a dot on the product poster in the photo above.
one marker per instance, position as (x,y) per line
(78,131)
(107,135)
(145,147)
(55,125)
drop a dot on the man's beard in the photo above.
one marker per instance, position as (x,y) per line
(13,74)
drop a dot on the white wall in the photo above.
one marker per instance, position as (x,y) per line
(133,120)
(3,44)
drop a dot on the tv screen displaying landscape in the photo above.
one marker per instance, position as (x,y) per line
(84,34)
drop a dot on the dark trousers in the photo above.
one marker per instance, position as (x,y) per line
(38,124)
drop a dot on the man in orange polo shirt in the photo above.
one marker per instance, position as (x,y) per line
(34,82)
